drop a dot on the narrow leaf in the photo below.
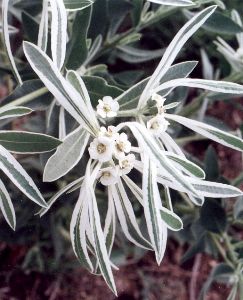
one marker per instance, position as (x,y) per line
(172,221)
(14,111)
(7,206)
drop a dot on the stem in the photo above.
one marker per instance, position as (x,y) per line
(27,98)
(230,248)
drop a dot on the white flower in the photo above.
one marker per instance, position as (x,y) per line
(157,125)
(110,132)
(122,146)
(109,175)
(107,107)
(126,164)
(101,148)
(159,102)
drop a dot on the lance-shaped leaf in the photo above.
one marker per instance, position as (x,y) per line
(10,166)
(6,40)
(173,2)
(152,204)
(74,5)
(62,90)
(98,237)
(68,154)
(27,142)
(209,131)
(110,223)
(43,28)
(152,149)
(211,85)
(58,32)
(78,225)
(171,220)
(14,111)
(186,165)
(129,99)
(127,217)
(173,49)
(7,206)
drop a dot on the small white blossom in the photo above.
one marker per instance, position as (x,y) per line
(101,148)
(107,107)
(110,132)
(126,164)
(122,146)
(159,103)
(158,125)
(109,175)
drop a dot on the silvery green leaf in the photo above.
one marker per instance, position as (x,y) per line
(27,142)
(127,217)
(43,28)
(74,5)
(62,124)
(14,111)
(171,220)
(110,223)
(10,166)
(129,99)
(173,2)
(137,192)
(151,201)
(54,198)
(186,165)
(6,40)
(58,32)
(237,19)
(7,206)
(62,90)
(11,29)
(152,149)
(173,49)
(209,131)
(98,237)
(67,155)
(211,85)
(78,226)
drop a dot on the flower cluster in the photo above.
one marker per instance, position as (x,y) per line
(113,148)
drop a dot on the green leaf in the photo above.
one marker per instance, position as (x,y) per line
(222,24)
(67,155)
(98,88)
(238,209)
(10,166)
(173,221)
(27,142)
(211,164)
(213,216)
(77,4)
(7,206)
(77,49)
(14,111)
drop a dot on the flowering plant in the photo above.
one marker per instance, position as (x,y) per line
(126,139)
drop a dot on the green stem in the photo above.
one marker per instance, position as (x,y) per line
(230,248)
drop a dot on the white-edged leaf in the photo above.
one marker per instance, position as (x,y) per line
(137,192)
(6,206)
(173,2)
(58,32)
(54,198)
(209,131)
(67,155)
(78,84)
(211,85)
(62,90)
(62,124)
(152,149)
(152,204)
(110,223)
(171,220)
(14,112)
(43,28)
(98,235)
(74,5)
(170,144)
(186,165)
(78,225)
(15,172)
(173,49)
(6,40)
(127,217)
